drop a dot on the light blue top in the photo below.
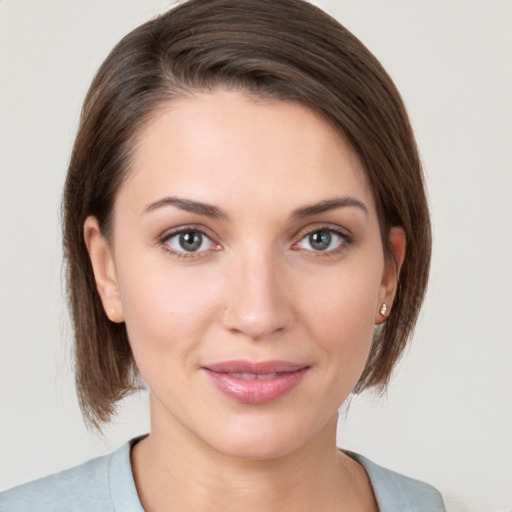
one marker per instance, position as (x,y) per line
(106,484)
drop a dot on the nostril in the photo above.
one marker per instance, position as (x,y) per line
(257,304)
(255,326)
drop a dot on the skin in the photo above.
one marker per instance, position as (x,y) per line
(257,289)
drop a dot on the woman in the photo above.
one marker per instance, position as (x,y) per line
(245,229)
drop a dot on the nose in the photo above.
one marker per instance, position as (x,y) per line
(257,301)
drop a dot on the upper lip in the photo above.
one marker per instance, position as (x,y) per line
(258,368)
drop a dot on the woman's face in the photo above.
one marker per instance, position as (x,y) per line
(247,263)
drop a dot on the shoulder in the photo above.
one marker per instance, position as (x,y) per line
(394,491)
(73,489)
(105,483)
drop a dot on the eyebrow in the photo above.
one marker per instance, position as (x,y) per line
(330,204)
(214,212)
(188,205)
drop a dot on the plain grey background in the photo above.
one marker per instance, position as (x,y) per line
(447,416)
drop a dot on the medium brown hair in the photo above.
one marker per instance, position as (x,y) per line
(281,49)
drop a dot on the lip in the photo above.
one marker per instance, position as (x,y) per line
(255,382)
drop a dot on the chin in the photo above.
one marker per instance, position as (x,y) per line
(258,449)
(261,440)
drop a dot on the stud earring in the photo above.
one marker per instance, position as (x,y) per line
(384,310)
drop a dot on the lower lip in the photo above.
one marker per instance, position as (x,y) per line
(256,391)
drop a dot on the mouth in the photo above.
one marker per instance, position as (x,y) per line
(255,382)
(257,376)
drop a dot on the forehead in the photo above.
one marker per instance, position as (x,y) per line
(228,146)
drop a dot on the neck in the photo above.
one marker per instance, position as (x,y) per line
(174,470)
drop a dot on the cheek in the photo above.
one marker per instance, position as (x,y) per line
(166,313)
(340,313)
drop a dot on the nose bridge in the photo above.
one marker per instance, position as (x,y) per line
(256,303)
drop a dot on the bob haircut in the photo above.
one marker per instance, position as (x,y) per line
(286,50)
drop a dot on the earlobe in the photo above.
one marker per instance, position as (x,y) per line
(104,269)
(391,274)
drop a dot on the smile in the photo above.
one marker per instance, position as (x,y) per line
(255,383)
(257,376)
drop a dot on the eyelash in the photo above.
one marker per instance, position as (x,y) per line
(345,239)
(168,235)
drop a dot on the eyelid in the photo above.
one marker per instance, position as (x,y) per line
(321,226)
(344,233)
(163,240)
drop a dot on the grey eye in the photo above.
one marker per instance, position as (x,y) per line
(190,241)
(321,240)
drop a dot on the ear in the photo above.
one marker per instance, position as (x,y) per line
(392,266)
(104,269)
